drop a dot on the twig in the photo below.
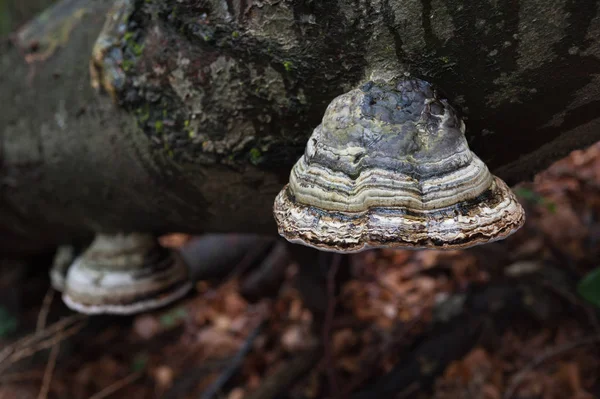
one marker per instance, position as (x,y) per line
(520,376)
(188,380)
(45,309)
(42,319)
(576,301)
(116,386)
(38,341)
(371,361)
(29,351)
(410,391)
(286,374)
(236,363)
(331,303)
(49,371)
(38,336)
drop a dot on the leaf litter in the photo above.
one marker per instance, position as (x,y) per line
(534,334)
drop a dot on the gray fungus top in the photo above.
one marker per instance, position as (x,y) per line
(389,166)
(405,129)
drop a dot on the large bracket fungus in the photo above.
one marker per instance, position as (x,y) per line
(389,166)
(125,274)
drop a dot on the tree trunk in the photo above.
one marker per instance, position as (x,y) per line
(203,106)
(14,13)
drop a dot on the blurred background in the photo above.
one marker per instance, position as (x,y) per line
(513,319)
(14,13)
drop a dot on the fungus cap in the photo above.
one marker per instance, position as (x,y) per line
(389,166)
(125,274)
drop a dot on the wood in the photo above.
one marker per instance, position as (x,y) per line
(219,98)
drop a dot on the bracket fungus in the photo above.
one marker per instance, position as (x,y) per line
(389,166)
(125,274)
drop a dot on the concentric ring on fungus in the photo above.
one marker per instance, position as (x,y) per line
(125,274)
(389,166)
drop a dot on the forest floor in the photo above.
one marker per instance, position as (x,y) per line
(503,320)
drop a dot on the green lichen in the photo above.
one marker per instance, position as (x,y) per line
(255,156)
(190,131)
(288,66)
(174,13)
(143,113)
(235,34)
(168,151)
(206,33)
(136,48)
(159,126)
(127,65)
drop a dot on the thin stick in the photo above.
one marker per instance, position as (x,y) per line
(30,350)
(42,319)
(236,363)
(286,374)
(520,376)
(49,371)
(45,309)
(28,345)
(327,323)
(31,339)
(116,386)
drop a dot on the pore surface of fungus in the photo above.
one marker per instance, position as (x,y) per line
(125,274)
(389,166)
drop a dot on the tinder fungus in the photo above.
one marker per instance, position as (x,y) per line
(389,166)
(125,274)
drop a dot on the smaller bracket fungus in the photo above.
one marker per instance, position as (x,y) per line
(64,256)
(389,166)
(125,274)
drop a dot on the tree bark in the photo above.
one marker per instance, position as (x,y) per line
(203,106)
(14,13)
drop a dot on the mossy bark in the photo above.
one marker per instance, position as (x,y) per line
(203,106)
